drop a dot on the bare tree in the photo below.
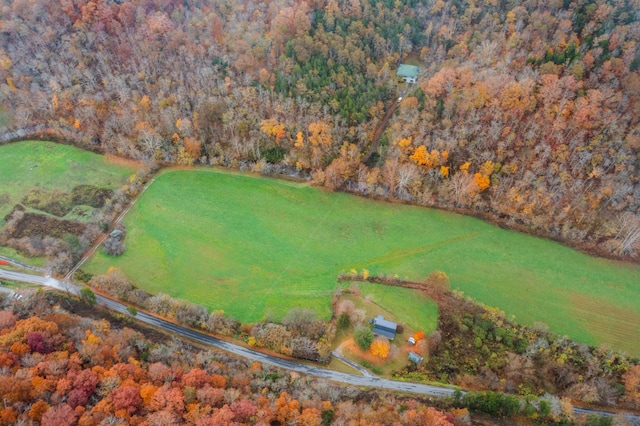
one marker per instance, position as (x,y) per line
(628,233)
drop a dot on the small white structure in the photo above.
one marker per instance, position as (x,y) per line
(411,341)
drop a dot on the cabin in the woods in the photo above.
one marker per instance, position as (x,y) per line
(383,327)
(409,73)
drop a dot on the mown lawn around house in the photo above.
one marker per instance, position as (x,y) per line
(253,246)
(411,308)
(48,166)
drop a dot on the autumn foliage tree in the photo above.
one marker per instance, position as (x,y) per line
(380,348)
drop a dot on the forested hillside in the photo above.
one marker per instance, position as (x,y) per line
(526,111)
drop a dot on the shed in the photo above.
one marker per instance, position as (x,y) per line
(116,233)
(409,73)
(383,327)
(415,358)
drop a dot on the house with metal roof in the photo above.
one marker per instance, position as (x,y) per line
(383,327)
(409,73)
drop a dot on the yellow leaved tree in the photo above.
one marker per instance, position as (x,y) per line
(380,348)
(319,134)
(272,127)
(430,160)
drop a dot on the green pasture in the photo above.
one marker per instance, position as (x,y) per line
(15,255)
(51,167)
(252,246)
(412,308)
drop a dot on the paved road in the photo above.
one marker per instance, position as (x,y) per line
(310,370)
(350,379)
(20,133)
(352,364)
(20,264)
(36,279)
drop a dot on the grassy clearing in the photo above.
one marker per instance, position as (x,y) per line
(252,246)
(11,253)
(49,166)
(408,307)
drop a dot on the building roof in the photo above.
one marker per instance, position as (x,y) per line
(408,71)
(384,327)
(381,322)
(384,332)
(415,357)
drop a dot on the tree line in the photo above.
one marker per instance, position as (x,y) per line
(536,104)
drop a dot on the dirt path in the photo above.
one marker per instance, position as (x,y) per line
(381,126)
(338,355)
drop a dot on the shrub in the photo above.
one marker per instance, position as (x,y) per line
(83,276)
(363,337)
(496,404)
(114,243)
(343,321)
(88,295)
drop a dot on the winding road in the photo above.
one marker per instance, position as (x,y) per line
(206,339)
(310,370)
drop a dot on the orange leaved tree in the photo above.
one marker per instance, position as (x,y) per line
(380,348)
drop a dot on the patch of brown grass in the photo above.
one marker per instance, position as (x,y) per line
(126,162)
(600,316)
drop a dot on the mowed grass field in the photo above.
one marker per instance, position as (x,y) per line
(253,246)
(51,166)
(412,308)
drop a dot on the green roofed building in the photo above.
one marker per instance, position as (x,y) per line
(409,73)
(415,358)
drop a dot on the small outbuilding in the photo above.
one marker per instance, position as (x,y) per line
(415,358)
(409,73)
(383,327)
(116,234)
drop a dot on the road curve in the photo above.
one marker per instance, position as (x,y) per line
(206,339)
(350,379)
(310,370)
(20,264)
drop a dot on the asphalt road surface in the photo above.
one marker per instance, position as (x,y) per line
(310,370)
(350,379)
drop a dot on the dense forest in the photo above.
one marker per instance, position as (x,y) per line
(524,112)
